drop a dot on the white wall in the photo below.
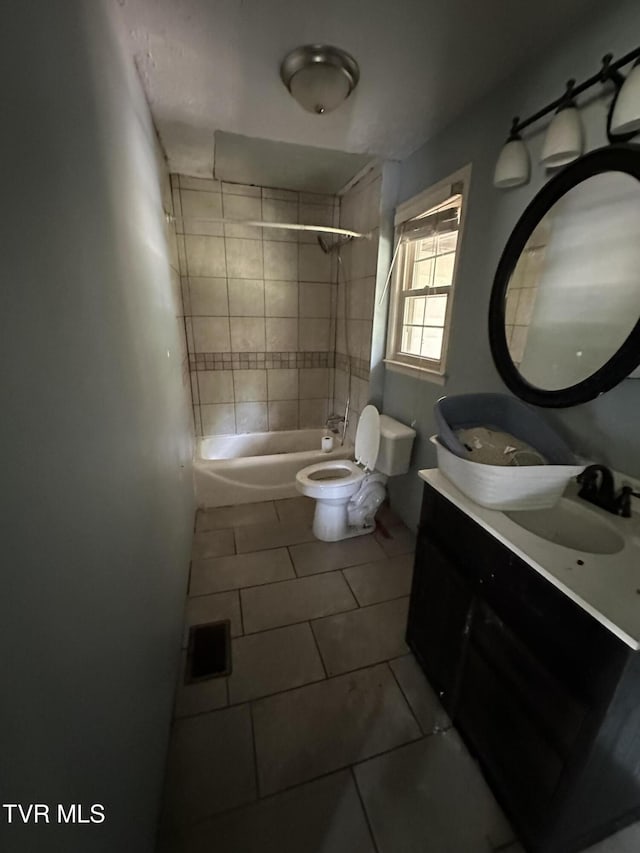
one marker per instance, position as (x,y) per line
(604,429)
(97,513)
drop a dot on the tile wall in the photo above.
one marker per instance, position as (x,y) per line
(258,306)
(359,211)
(523,290)
(174,266)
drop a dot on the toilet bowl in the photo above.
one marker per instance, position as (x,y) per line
(348,493)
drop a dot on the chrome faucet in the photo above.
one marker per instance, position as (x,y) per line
(333,423)
(597,487)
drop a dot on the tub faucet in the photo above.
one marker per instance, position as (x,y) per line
(333,423)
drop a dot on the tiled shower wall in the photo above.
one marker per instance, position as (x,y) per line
(174,266)
(359,211)
(258,306)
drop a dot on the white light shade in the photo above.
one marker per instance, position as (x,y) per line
(626,112)
(563,141)
(513,166)
(320,87)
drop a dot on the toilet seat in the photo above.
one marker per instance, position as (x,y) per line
(341,476)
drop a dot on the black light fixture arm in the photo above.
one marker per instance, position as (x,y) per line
(608,71)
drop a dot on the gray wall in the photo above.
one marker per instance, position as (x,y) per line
(605,429)
(97,511)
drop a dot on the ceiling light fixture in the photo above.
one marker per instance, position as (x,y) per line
(319,77)
(564,139)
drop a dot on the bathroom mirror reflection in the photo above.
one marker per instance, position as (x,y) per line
(566,303)
(574,295)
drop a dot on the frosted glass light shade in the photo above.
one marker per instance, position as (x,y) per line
(564,139)
(513,166)
(626,112)
(319,88)
(319,76)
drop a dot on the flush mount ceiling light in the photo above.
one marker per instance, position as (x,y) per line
(319,77)
(564,139)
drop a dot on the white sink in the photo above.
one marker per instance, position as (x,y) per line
(572,525)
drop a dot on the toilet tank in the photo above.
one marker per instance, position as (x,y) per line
(396,441)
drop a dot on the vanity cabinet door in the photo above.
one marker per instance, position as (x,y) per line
(522,706)
(438,613)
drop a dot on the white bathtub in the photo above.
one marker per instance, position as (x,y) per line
(236,469)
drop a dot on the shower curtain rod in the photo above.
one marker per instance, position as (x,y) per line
(290,226)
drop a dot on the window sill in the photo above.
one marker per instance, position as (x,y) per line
(416,372)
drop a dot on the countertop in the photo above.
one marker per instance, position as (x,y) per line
(606,585)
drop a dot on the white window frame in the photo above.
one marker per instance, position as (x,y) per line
(420,366)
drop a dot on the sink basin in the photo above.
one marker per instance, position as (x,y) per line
(572,525)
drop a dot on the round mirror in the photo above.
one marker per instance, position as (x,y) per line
(564,319)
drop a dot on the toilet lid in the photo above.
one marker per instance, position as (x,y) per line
(368,438)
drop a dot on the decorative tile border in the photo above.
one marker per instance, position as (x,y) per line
(258,360)
(359,367)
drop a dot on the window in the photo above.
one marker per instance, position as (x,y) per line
(428,235)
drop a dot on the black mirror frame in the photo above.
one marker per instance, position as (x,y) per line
(614,158)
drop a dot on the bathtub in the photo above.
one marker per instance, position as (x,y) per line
(262,466)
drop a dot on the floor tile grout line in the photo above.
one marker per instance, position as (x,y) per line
(266,583)
(355,609)
(314,541)
(264,797)
(189,578)
(255,699)
(351,589)
(295,571)
(340,570)
(348,766)
(269,548)
(352,768)
(298,577)
(239,594)
(301,622)
(291,624)
(259,800)
(246,633)
(317,645)
(406,699)
(255,750)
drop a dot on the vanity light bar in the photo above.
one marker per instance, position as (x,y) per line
(565,139)
(608,71)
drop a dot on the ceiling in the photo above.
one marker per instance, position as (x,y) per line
(213,65)
(247,160)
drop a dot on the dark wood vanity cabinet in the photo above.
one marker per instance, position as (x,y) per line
(546,697)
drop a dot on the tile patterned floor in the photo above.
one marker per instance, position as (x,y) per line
(326,737)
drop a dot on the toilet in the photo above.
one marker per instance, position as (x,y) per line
(347,493)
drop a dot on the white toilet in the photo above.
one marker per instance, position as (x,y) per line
(347,493)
